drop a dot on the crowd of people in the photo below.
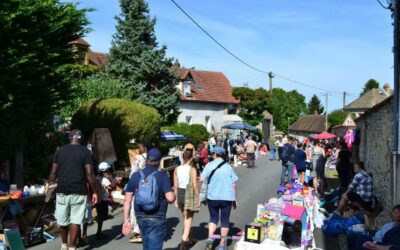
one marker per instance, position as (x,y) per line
(149,191)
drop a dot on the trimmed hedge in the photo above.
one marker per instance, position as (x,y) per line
(196,132)
(124,118)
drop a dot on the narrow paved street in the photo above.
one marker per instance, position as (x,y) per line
(255,185)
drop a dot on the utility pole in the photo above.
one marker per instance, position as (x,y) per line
(344,98)
(396,139)
(271,75)
(326,110)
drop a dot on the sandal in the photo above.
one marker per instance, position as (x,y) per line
(136,238)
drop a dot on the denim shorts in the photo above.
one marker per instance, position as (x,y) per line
(70,209)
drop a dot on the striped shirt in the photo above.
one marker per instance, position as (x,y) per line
(363,185)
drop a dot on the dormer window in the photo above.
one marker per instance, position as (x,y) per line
(186,88)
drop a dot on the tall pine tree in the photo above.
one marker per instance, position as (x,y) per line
(315,106)
(138,62)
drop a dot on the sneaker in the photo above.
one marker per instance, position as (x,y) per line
(64,247)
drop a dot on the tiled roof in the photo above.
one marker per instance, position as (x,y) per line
(309,123)
(207,86)
(80,41)
(367,101)
(98,59)
(387,101)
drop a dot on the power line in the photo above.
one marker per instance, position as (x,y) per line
(242,61)
(305,84)
(389,7)
(215,40)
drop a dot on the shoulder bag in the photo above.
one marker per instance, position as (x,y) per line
(191,199)
(204,185)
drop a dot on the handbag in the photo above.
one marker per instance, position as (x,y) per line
(191,199)
(309,165)
(204,185)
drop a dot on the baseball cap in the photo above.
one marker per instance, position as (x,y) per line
(219,150)
(154,156)
(76,134)
(104,167)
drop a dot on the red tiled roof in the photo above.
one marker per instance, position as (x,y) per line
(208,86)
(98,59)
(80,41)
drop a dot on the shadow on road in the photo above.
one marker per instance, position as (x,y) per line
(171,225)
(113,233)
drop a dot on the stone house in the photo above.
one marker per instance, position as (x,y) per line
(375,149)
(206,99)
(368,100)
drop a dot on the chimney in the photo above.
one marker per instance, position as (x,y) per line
(387,90)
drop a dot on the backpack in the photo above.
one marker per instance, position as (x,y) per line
(147,196)
(286,155)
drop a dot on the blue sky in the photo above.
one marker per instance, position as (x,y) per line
(336,45)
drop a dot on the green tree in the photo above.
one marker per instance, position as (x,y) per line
(286,107)
(315,106)
(252,103)
(371,84)
(34,36)
(336,117)
(137,61)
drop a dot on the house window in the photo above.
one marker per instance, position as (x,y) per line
(208,123)
(188,120)
(186,88)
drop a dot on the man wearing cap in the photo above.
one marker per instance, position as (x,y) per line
(72,169)
(152,224)
(221,194)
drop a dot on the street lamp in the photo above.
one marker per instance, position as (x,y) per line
(288,124)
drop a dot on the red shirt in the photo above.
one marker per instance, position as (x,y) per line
(203,154)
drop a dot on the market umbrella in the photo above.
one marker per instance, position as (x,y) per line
(325,135)
(240,125)
(171,136)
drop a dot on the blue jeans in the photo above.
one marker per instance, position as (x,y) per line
(153,233)
(272,154)
(286,166)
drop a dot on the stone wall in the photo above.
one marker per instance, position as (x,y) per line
(375,150)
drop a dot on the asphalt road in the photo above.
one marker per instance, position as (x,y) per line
(254,186)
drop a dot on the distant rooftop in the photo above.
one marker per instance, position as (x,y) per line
(367,100)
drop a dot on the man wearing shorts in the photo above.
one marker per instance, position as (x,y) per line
(359,191)
(72,169)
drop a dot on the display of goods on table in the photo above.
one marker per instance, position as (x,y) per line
(285,219)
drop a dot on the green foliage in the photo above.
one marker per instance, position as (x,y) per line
(371,84)
(336,117)
(34,44)
(92,87)
(286,107)
(137,61)
(125,119)
(39,156)
(252,103)
(196,132)
(315,106)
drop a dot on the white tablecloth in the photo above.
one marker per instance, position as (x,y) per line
(267,244)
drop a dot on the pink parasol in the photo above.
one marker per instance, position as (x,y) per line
(324,135)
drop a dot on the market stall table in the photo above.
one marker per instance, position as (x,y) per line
(4,204)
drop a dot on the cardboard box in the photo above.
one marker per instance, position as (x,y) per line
(254,233)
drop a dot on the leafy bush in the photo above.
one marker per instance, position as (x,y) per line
(196,132)
(124,118)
